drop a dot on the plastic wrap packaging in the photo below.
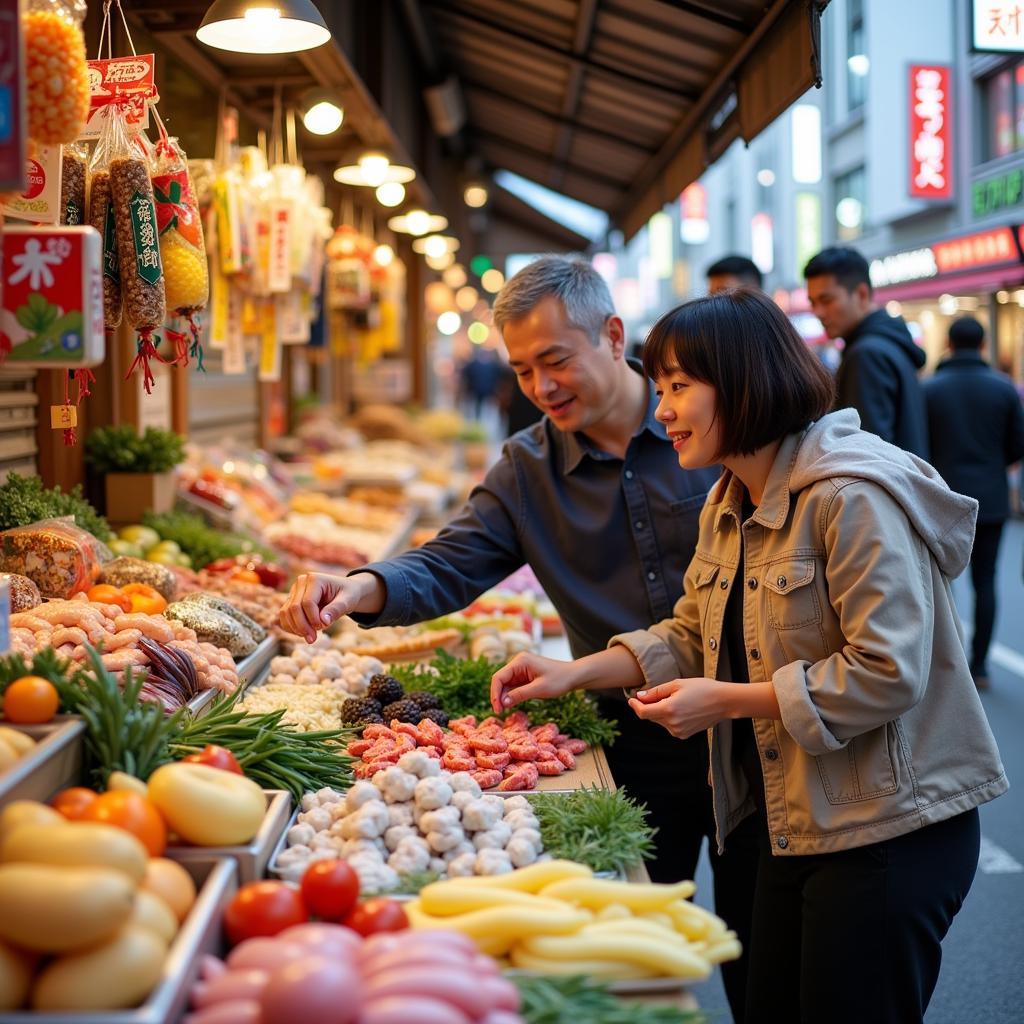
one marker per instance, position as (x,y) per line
(122,571)
(24,593)
(72,184)
(101,217)
(59,557)
(58,95)
(213,627)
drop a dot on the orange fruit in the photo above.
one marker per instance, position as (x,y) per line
(72,803)
(144,598)
(133,813)
(31,700)
(104,593)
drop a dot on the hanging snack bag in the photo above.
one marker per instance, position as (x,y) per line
(101,217)
(138,244)
(182,249)
(72,184)
(57,96)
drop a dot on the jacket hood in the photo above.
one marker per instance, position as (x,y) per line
(880,325)
(835,446)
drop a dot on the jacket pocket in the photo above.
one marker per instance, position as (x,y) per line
(706,576)
(863,770)
(792,597)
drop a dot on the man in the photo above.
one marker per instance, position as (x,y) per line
(878,370)
(733,272)
(593,498)
(976,429)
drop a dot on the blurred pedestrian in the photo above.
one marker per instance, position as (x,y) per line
(976,430)
(877,373)
(479,378)
(733,272)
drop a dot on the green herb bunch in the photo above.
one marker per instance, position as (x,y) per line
(24,500)
(201,542)
(119,449)
(604,829)
(463,685)
(575,999)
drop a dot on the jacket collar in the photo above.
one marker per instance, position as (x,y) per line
(576,445)
(775,502)
(965,357)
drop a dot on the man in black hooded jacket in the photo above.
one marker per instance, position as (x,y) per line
(878,372)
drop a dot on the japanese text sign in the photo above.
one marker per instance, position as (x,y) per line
(130,78)
(999,25)
(931,136)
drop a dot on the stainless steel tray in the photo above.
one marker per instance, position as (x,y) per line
(252,858)
(52,765)
(249,670)
(200,934)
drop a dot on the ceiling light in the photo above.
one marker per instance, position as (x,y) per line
(859,64)
(372,170)
(442,262)
(391,193)
(418,222)
(263,26)
(322,114)
(465,298)
(435,245)
(766,177)
(449,323)
(493,281)
(383,255)
(475,195)
(455,276)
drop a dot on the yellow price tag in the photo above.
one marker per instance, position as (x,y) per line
(63,417)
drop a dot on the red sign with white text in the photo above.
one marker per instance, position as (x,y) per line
(131,79)
(931,132)
(980,250)
(12,101)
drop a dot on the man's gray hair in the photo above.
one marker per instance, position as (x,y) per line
(570,279)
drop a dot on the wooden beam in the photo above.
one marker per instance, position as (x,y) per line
(586,15)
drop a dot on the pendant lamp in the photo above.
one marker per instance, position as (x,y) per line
(263,26)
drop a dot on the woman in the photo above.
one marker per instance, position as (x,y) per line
(817,639)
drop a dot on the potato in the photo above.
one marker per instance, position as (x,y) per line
(171,883)
(113,976)
(27,812)
(21,741)
(153,914)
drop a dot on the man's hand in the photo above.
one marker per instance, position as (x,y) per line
(684,706)
(529,677)
(318,599)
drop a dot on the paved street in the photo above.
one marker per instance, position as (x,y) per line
(982,980)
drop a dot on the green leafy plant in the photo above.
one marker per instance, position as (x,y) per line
(463,686)
(37,314)
(200,542)
(119,449)
(24,500)
(604,829)
(574,999)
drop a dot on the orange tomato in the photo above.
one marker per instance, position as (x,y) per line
(144,598)
(73,802)
(104,593)
(133,813)
(31,700)
(245,576)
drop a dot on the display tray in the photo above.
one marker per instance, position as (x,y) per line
(199,934)
(252,858)
(249,669)
(591,770)
(52,765)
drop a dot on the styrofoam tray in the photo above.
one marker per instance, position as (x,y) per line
(199,934)
(252,858)
(52,765)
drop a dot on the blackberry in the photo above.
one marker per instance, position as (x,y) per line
(437,715)
(403,710)
(385,689)
(360,711)
(424,699)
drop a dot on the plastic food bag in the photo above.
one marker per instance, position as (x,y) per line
(58,93)
(101,217)
(72,184)
(58,556)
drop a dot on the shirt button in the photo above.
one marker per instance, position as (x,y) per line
(755,654)
(713,643)
(781,581)
(639,524)
(772,754)
(752,583)
(629,474)
(724,584)
(652,575)
(782,842)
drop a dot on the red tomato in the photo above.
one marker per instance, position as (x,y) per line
(377,915)
(330,889)
(216,757)
(263,908)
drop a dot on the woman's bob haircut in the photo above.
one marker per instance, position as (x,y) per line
(768,383)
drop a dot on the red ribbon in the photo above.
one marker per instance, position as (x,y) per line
(146,352)
(180,340)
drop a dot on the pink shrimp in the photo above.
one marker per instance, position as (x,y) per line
(26,620)
(69,635)
(126,638)
(122,659)
(183,632)
(149,625)
(67,613)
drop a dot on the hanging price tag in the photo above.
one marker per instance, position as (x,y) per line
(63,417)
(270,346)
(219,308)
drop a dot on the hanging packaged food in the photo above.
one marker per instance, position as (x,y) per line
(101,217)
(182,248)
(138,244)
(57,96)
(72,184)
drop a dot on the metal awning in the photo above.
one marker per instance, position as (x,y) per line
(622,103)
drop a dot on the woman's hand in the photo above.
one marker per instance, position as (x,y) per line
(684,706)
(318,599)
(529,677)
